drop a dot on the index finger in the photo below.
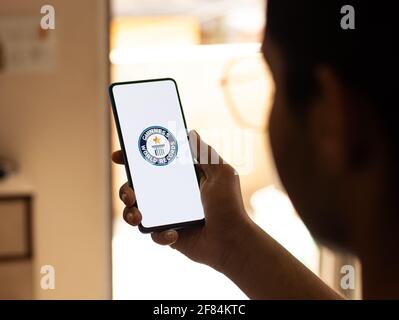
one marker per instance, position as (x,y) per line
(117,157)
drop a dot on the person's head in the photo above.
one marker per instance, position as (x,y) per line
(333,125)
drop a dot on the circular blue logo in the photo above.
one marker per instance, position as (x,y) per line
(157,145)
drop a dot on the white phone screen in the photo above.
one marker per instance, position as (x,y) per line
(158,152)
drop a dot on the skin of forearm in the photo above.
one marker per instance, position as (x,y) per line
(263,269)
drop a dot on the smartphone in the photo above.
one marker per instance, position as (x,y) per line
(159,162)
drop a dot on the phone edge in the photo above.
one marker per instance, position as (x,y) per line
(142,228)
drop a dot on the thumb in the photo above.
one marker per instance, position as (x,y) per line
(206,156)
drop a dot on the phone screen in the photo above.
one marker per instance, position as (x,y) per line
(153,134)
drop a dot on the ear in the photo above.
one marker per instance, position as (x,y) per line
(329,120)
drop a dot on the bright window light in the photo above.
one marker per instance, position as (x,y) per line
(274,213)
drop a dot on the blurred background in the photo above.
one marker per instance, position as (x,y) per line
(59,201)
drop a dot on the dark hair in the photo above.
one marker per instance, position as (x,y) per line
(309,33)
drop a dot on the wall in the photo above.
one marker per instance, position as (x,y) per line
(56,125)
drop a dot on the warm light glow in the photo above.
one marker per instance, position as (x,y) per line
(121,56)
(144,270)
(273,211)
(131,32)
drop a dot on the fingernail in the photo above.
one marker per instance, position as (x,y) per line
(123,197)
(129,217)
(170,235)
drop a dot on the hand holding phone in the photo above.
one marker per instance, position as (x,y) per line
(226,221)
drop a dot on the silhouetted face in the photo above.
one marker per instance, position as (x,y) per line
(304,173)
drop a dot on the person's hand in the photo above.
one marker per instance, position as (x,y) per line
(226,221)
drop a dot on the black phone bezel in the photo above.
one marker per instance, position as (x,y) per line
(142,228)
